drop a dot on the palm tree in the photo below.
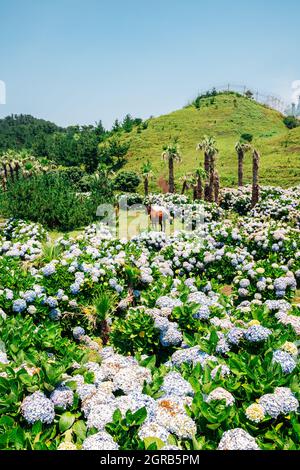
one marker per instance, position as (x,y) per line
(147,174)
(187,182)
(255,185)
(171,154)
(208,146)
(105,170)
(13,164)
(200,175)
(241,148)
(104,305)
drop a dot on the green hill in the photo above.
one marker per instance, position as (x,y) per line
(224,117)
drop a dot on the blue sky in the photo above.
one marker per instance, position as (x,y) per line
(78,61)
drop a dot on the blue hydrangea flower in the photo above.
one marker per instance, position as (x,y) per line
(75,288)
(235,335)
(29,296)
(257,333)
(285,360)
(51,301)
(19,305)
(37,407)
(49,269)
(78,331)
(270,404)
(55,314)
(62,396)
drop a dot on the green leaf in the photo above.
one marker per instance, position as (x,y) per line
(149,441)
(140,416)
(66,421)
(117,416)
(213,426)
(80,429)
(6,421)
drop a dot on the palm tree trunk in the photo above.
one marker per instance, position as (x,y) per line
(11,170)
(17,170)
(240,167)
(211,179)
(207,171)
(171,175)
(195,192)
(5,170)
(184,185)
(216,186)
(104,332)
(255,185)
(199,188)
(206,162)
(146,185)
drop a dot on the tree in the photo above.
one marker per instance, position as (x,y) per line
(127,123)
(14,164)
(127,181)
(147,173)
(113,152)
(208,146)
(116,126)
(200,175)
(171,154)
(87,148)
(187,181)
(241,148)
(249,94)
(23,131)
(255,170)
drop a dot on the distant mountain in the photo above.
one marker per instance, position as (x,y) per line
(23,131)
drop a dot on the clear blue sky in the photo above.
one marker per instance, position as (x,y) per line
(78,61)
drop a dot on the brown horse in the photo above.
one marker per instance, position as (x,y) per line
(158,216)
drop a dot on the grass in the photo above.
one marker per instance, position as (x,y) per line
(55,235)
(226,120)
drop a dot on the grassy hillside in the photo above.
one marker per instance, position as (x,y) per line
(225,119)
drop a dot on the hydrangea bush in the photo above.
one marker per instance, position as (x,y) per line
(187,341)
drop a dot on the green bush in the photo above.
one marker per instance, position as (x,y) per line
(291,122)
(51,199)
(135,334)
(85,183)
(73,174)
(247,137)
(127,181)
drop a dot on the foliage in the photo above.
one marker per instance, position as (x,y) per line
(228,122)
(135,334)
(124,430)
(113,152)
(291,122)
(127,181)
(48,199)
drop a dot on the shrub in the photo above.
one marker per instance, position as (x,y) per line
(247,137)
(47,198)
(73,174)
(127,181)
(291,122)
(85,183)
(51,199)
(135,334)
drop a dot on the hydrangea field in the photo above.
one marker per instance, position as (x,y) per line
(184,341)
